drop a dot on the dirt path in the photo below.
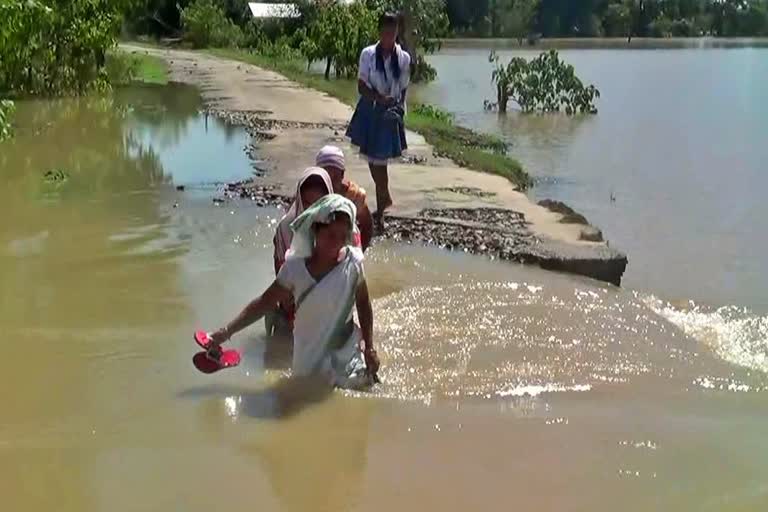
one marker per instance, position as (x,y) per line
(297,121)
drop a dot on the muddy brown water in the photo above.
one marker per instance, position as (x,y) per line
(504,386)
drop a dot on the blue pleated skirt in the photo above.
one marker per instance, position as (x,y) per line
(379,138)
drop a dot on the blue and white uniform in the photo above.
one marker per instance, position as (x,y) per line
(379,136)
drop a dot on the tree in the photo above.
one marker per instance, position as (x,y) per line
(337,34)
(423,24)
(515,17)
(319,39)
(53,51)
(156,17)
(469,15)
(205,24)
(557,18)
(544,84)
(618,18)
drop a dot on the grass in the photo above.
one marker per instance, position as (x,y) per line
(470,149)
(124,68)
(152,70)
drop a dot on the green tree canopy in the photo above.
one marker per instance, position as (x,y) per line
(646,18)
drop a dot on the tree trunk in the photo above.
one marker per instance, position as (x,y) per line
(101,58)
(328,63)
(503,99)
(406,38)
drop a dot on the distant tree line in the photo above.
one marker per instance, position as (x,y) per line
(608,18)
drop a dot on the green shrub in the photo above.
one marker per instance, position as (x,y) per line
(432,112)
(661,27)
(7,108)
(121,68)
(544,84)
(56,50)
(682,28)
(206,25)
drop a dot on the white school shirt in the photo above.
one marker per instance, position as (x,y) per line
(377,80)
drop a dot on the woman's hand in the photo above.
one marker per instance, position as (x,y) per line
(389,101)
(220,336)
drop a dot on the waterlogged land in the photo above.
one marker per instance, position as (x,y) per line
(678,145)
(503,384)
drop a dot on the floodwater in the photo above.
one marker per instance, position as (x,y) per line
(679,142)
(505,387)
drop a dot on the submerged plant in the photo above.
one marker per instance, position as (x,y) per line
(544,84)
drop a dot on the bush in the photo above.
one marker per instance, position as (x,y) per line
(121,68)
(57,50)
(336,34)
(423,24)
(7,108)
(544,84)
(206,25)
(279,50)
(661,27)
(682,28)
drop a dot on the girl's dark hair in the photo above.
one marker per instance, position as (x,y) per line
(388,20)
(314,182)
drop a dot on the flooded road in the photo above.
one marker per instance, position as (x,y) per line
(504,386)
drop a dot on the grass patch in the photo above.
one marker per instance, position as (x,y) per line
(152,70)
(468,148)
(124,68)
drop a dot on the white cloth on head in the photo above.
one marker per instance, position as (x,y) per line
(326,341)
(303,242)
(330,156)
(284,234)
(382,81)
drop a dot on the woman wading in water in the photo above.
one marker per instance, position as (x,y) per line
(323,272)
(377,124)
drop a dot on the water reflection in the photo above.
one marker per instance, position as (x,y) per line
(283,399)
(79,302)
(318,460)
(315,453)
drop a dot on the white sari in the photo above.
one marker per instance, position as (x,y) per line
(326,340)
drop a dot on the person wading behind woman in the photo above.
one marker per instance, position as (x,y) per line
(331,158)
(313,184)
(377,124)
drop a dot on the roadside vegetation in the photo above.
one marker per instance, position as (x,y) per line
(64,48)
(481,152)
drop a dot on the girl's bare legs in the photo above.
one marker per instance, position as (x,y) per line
(380,175)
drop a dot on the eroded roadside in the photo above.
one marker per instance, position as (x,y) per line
(437,201)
